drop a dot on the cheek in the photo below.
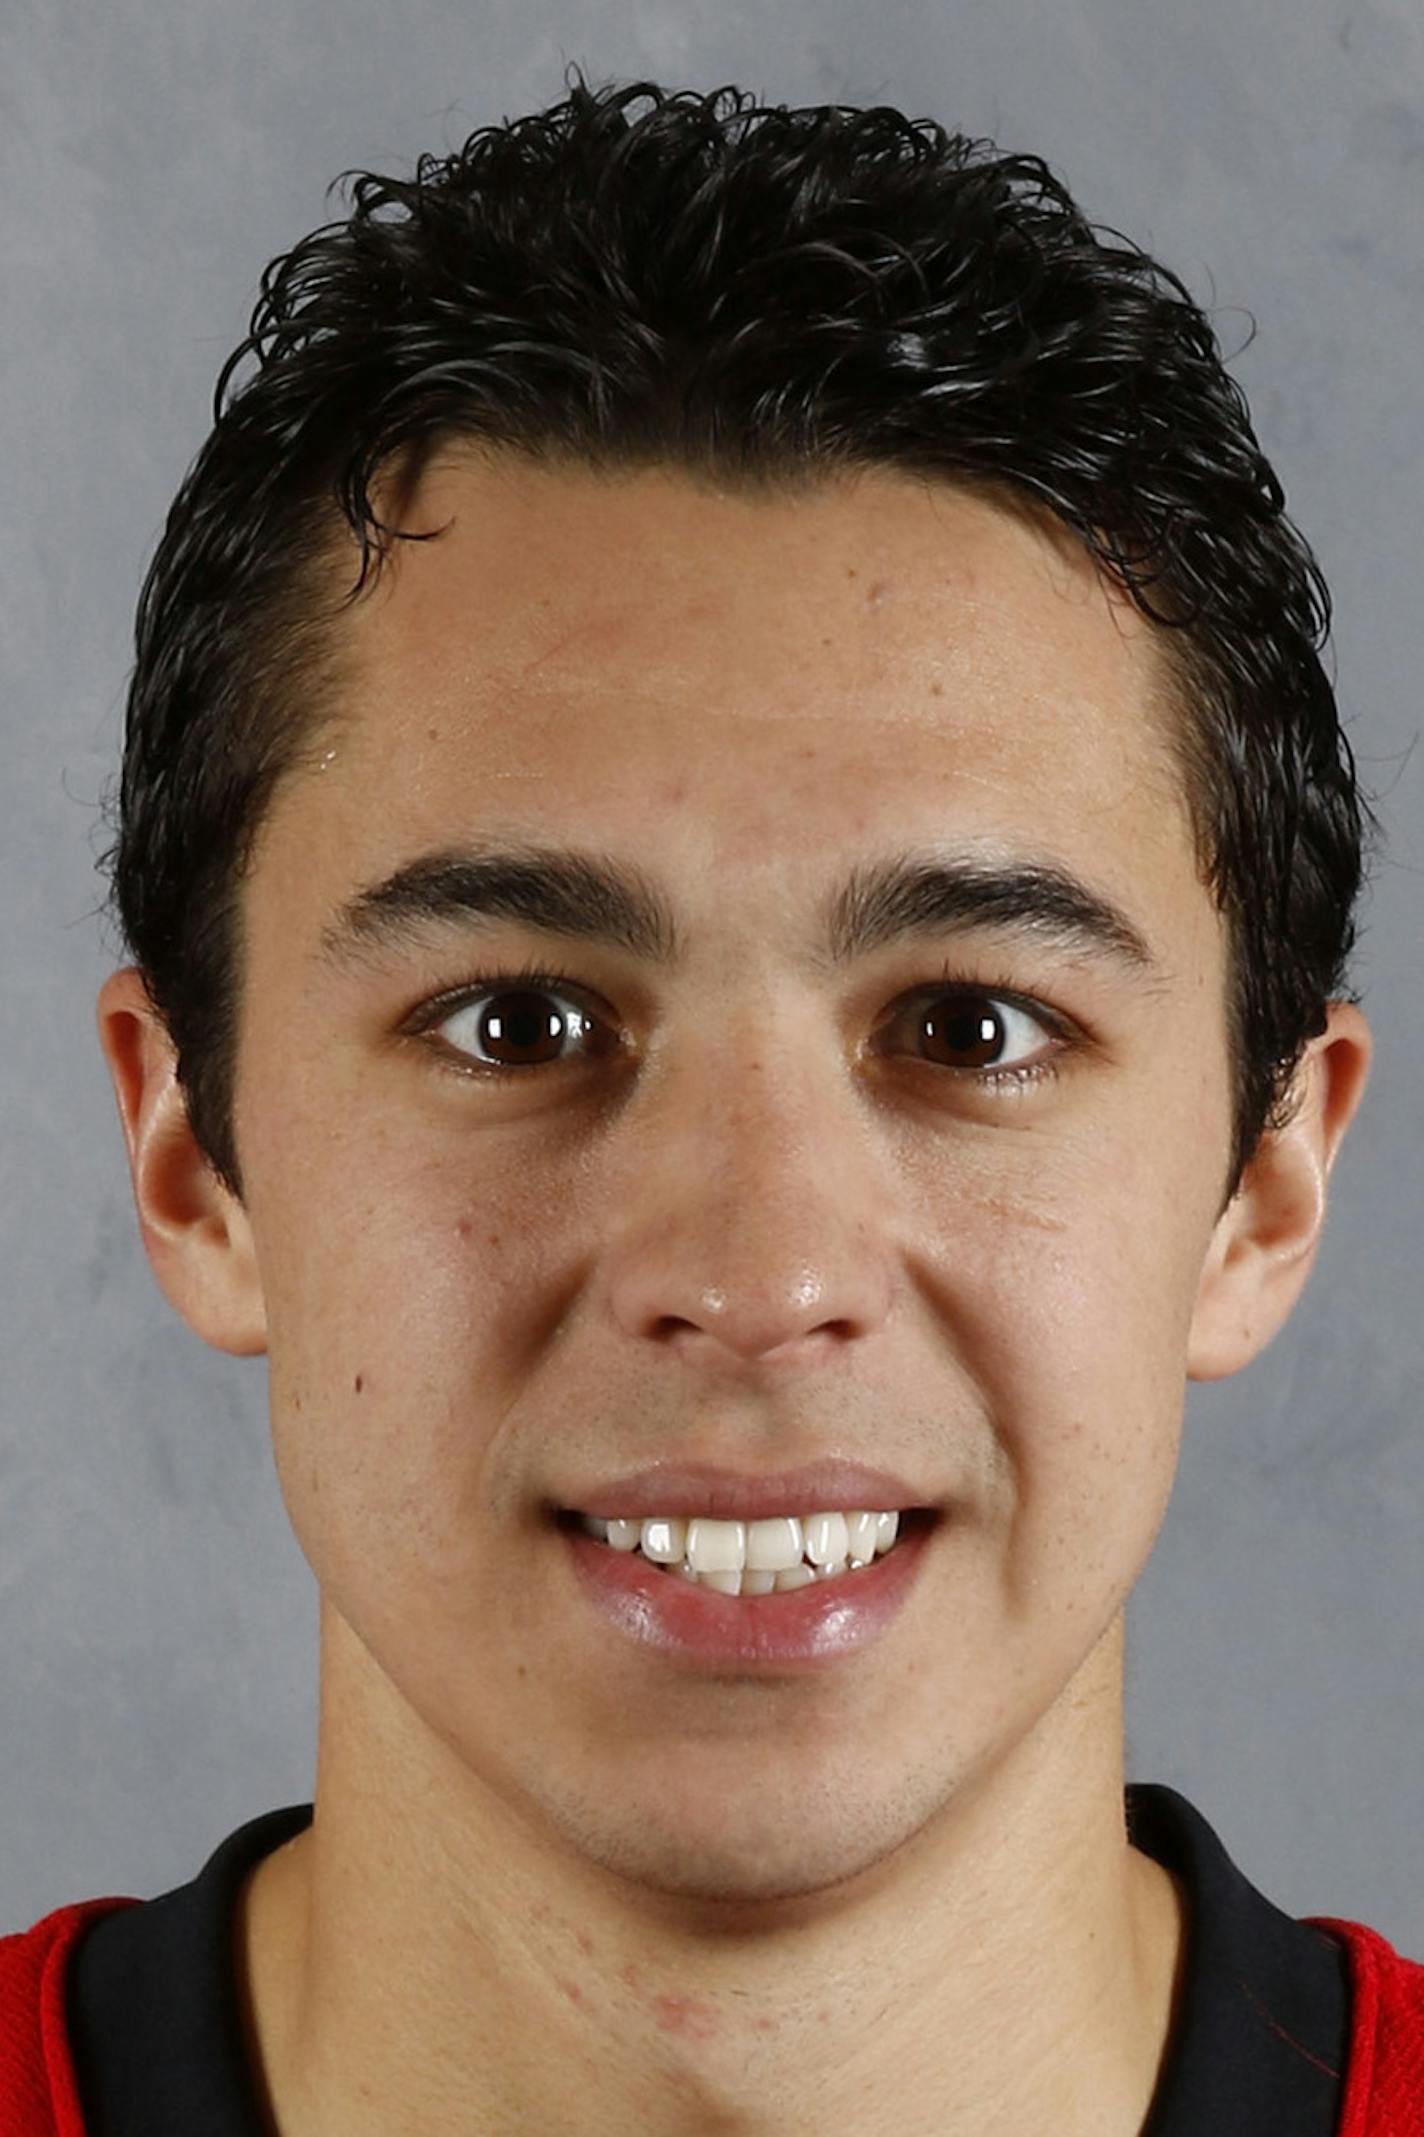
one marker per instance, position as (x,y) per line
(1064,1278)
(401,1330)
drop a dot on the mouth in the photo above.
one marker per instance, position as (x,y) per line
(691,1586)
(775,1554)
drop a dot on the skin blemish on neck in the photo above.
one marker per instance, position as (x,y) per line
(692,2016)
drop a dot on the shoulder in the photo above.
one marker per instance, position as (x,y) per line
(1385,2081)
(38,2096)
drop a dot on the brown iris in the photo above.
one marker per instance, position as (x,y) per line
(963,1034)
(528,1024)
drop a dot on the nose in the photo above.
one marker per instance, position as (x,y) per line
(755,1220)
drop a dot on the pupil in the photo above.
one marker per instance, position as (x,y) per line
(524,1024)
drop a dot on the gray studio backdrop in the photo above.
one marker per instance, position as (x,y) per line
(157,1624)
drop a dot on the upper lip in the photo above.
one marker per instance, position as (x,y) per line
(722,1494)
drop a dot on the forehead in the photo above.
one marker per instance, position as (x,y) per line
(742,675)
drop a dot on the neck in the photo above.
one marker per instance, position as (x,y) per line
(427,1959)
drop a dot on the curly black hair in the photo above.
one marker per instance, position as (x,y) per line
(764,295)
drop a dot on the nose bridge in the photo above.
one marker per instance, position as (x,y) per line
(750,1205)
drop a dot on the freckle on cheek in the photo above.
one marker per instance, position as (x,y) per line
(360,1382)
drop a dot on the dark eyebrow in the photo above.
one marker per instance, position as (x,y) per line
(559,892)
(588,896)
(934,896)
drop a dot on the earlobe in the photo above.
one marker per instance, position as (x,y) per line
(195,1231)
(1264,1244)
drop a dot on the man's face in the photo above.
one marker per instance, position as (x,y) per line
(763,1205)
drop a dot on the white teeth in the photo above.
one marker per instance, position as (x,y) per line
(861,1532)
(827,1541)
(716,1546)
(664,1539)
(775,1545)
(754,1557)
(728,1583)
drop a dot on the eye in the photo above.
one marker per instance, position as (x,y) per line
(534,1019)
(982,1034)
(528,1020)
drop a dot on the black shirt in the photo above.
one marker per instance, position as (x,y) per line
(1260,2047)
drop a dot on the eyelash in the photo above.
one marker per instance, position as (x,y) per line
(538,978)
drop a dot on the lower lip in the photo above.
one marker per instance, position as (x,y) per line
(801,1626)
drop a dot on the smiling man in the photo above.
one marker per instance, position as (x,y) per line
(739,865)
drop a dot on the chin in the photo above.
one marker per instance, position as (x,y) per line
(692,1869)
(747,1847)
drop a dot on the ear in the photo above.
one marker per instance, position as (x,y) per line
(1265,1239)
(195,1231)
